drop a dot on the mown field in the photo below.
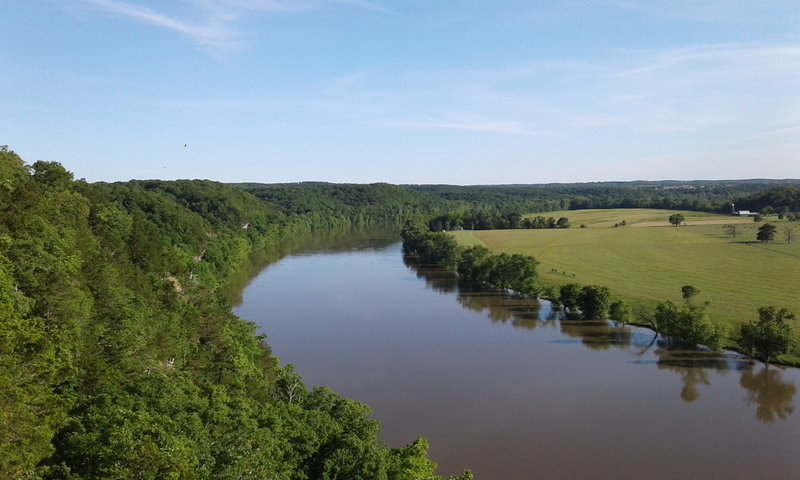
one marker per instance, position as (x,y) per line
(648,260)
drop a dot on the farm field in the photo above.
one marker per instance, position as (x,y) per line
(648,260)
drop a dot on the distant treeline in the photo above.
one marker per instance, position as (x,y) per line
(328,205)
(120,358)
(775,200)
(710,196)
(488,218)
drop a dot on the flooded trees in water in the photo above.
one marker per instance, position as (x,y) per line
(688,323)
(772,335)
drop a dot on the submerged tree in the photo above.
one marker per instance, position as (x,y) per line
(569,295)
(594,302)
(772,335)
(688,322)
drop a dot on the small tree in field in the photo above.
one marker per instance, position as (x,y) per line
(766,232)
(730,229)
(770,336)
(676,219)
(689,291)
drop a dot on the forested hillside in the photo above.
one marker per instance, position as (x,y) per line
(710,196)
(325,205)
(119,357)
(775,200)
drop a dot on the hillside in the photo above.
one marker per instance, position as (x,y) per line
(120,357)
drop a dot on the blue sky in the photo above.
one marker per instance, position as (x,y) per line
(413,91)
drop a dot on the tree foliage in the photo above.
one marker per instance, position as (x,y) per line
(676,219)
(516,272)
(688,323)
(772,335)
(766,232)
(569,295)
(119,357)
(594,302)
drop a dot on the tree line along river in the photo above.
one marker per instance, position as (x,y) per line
(508,387)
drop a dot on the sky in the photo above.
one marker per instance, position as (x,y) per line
(408,91)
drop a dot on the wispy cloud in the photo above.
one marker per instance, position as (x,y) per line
(216,28)
(791,132)
(696,94)
(213,34)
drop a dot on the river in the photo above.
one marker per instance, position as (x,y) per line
(506,386)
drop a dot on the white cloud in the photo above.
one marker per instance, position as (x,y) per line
(213,34)
(216,30)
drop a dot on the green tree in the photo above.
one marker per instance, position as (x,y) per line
(594,302)
(772,335)
(569,295)
(766,232)
(474,262)
(620,311)
(676,219)
(687,323)
(688,292)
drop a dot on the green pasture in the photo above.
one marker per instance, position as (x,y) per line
(648,260)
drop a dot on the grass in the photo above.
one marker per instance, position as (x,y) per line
(648,260)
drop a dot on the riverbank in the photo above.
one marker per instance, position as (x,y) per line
(646,261)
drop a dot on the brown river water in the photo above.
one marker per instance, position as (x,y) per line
(506,386)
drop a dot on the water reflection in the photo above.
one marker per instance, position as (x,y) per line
(773,398)
(319,242)
(437,279)
(693,367)
(597,334)
(766,390)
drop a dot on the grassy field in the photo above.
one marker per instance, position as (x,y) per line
(648,260)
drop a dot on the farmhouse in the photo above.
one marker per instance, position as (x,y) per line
(746,213)
(742,213)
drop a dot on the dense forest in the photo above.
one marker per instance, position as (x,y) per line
(710,196)
(327,205)
(120,358)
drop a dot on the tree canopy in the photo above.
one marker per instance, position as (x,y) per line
(772,335)
(766,232)
(120,358)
